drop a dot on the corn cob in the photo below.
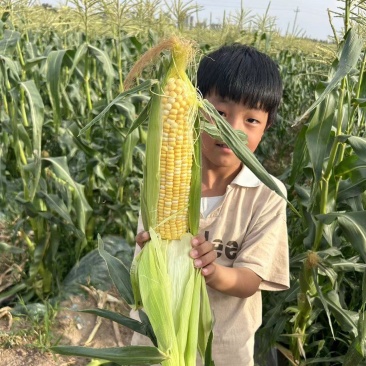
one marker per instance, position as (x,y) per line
(165,283)
(175,160)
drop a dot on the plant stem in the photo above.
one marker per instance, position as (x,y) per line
(22,94)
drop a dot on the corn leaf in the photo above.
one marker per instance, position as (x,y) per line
(143,116)
(77,57)
(135,325)
(322,299)
(24,137)
(214,132)
(127,157)
(36,107)
(8,63)
(107,66)
(353,227)
(319,360)
(318,133)
(56,204)
(354,230)
(345,318)
(128,355)
(351,166)
(53,78)
(4,295)
(347,266)
(208,355)
(357,143)
(349,56)
(348,189)
(300,156)
(354,355)
(36,61)
(82,144)
(231,139)
(361,330)
(83,209)
(118,272)
(9,42)
(136,89)
(6,248)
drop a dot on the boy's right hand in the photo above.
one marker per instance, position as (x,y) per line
(141,238)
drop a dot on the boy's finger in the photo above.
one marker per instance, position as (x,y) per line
(197,240)
(205,260)
(200,250)
(208,270)
(142,237)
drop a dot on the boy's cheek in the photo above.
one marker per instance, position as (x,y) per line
(206,139)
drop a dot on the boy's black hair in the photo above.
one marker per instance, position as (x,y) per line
(244,75)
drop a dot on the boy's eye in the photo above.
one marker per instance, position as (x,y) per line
(221,113)
(252,120)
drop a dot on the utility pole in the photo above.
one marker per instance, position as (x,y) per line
(295,20)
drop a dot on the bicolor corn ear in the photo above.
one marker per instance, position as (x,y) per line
(164,280)
(170,193)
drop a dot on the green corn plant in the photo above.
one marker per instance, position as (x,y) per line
(299,76)
(321,318)
(42,208)
(116,13)
(51,199)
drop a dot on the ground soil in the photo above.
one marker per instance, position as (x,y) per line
(24,340)
(23,344)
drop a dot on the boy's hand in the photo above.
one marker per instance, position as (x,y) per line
(141,238)
(204,255)
(202,251)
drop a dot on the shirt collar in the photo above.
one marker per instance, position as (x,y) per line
(246,178)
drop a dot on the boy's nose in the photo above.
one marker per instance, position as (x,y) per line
(235,121)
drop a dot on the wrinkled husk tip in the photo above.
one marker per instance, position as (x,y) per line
(183,53)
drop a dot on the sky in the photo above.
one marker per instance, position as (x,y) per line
(310,17)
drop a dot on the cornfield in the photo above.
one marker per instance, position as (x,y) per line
(71,169)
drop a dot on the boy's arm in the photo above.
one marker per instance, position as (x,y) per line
(239,282)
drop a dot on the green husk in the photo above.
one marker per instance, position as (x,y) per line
(151,183)
(174,296)
(171,291)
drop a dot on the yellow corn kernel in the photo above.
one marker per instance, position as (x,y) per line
(175,160)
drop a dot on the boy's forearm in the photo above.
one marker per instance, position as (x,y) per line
(239,282)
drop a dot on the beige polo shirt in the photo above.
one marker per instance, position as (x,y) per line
(249,230)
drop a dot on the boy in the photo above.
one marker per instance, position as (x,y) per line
(242,247)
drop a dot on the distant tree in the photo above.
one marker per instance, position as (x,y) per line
(47,6)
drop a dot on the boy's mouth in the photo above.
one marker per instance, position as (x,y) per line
(224,146)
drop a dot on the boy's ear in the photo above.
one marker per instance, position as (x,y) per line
(268,125)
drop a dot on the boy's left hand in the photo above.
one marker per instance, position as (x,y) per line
(204,254)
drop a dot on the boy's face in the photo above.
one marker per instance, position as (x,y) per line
(252,122)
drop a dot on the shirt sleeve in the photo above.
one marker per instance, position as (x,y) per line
(265,246)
